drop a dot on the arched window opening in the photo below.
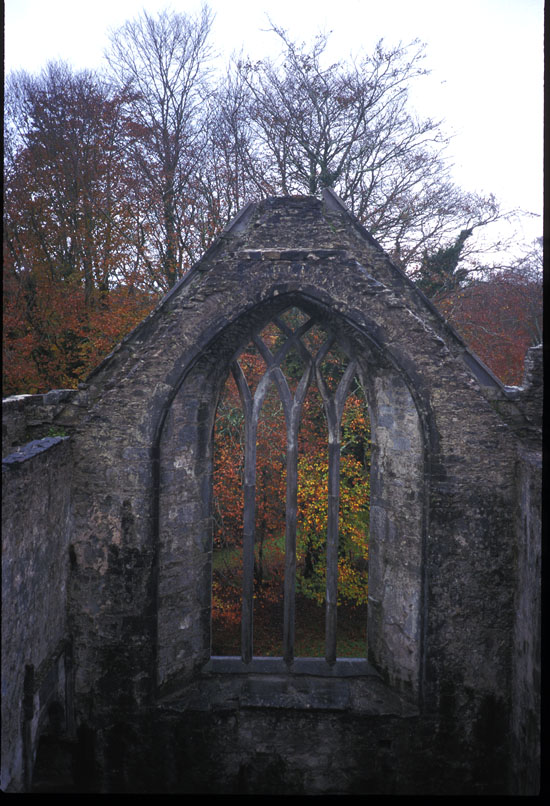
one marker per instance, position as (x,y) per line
(291,498)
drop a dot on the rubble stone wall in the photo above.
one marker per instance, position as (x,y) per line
(35,563)
(452,679)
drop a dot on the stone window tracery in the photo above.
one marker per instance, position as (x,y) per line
(296,353)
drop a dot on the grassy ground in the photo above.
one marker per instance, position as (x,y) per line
(268,615)
(310,631)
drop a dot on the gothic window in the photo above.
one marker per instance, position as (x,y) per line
(316,519)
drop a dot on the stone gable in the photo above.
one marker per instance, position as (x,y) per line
(446,524)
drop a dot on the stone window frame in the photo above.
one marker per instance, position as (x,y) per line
(398,414)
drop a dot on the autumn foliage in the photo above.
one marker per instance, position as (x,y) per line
(72,286)
(499,317)
(52,338)
(116,182)
(270,507)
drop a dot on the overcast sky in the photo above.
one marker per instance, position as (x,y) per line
(486,58)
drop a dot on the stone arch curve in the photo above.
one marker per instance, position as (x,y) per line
(402,445)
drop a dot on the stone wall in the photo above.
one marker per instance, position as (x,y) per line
(526,683)
(30,417)
(35,560)
(450,690)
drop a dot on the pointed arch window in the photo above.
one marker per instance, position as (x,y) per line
(295,352)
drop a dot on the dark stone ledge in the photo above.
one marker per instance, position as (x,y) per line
(350,685)
(31,449)
(344,667)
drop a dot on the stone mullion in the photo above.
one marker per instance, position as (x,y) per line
(334,407)
(249,515)
(252,407)
(332,550)
(292,407)
(292,414)
(249,536)
(292,422)
(289,607)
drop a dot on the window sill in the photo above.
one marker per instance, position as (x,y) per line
(309,684)
(344,667)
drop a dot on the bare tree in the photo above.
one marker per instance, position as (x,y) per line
(162,64)
(233,171)
(349,126)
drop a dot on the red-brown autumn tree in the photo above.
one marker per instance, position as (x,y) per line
(500,315)
(72,284)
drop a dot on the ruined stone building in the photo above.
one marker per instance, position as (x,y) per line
(108,683)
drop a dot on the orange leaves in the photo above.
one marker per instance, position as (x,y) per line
(52,338)
(74,285)
(353,529)
(499,319)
